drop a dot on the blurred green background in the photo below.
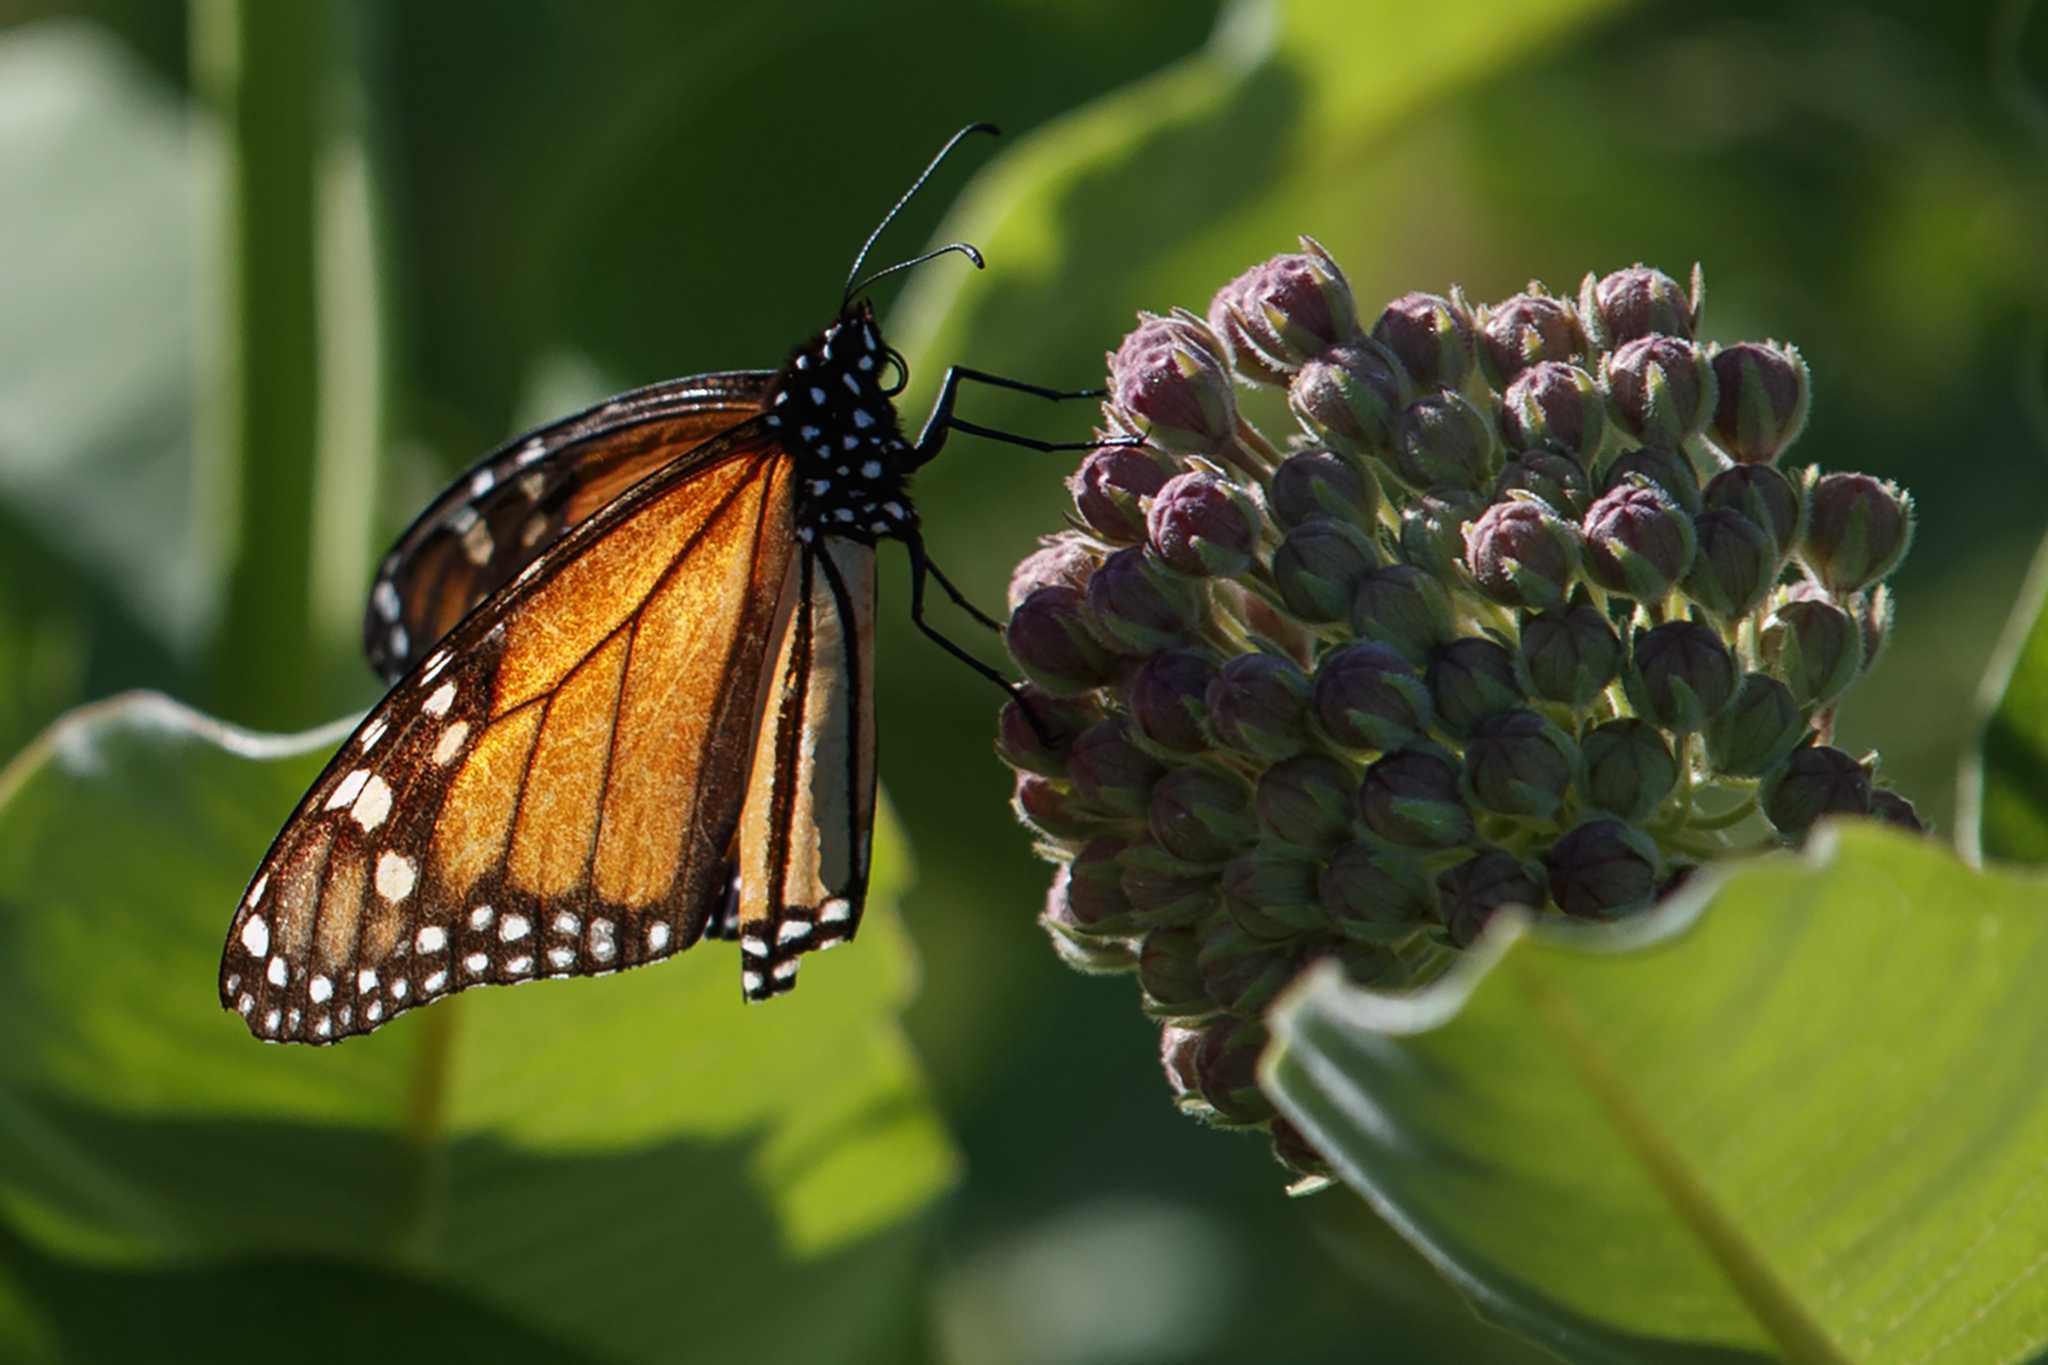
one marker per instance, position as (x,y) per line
(271,275)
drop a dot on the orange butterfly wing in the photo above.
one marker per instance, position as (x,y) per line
(511,506)
(551,792)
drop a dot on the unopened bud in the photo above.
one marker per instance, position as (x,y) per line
(1603,869)
(1169,700)
(1240,972)
(1200,815)
(1764,393)
(1668,469)
(1163,889)
(1628,769)
(1522,554)
(1110,489)
(1170,978)
(1470,679)
(1091,898)
(1758,731)
(1078,946)
(1350,397)
(1412,797)
(1555,406)
(1680,675)
(1442,441)
(1036,730)
(1368,697)
(1569,656)
(1111,772)
(1316,483)
(1874,613)
(1227,1070)
(1320,566)
(1557,479)
(1857,530)
(1306,802)
(1766,497)
(1270,892)
(1895,809)
(1201,525)
(1471,893)
(1431,335)
(1526,330)
(1258,705)
(1281,313)
(1140,608)
(1065,560)
(1406,609)
(1374,896)
(1638,542)
(1433,531)
(1518,763)
(1815,647)
(1052,640)
(1169,382)
(1294,1151)
(1055,810)
(1814,781)
(1660,389)
(1637,302)
(1735,566)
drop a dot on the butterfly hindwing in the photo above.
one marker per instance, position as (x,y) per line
(549,792)
(805,834)
(508,508)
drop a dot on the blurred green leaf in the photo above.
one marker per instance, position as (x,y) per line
(2004,801)
(1797,1114)
(625,1165)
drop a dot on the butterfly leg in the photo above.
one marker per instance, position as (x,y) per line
(942,419)
(922,568)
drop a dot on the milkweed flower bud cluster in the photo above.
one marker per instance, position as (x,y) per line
(1527,611)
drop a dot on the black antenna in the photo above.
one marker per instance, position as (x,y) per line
(851,287)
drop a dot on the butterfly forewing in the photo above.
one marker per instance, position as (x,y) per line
(805,833)
(509,508)
(548,793)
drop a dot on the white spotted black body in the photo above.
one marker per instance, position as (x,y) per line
(838,422)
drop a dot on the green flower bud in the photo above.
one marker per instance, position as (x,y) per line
(1065,560)
(1432,336)
(1109,771)
(1316,483)
(1518,763)
(1406,609)
(1200,815)
(1036,730)
(1815,647)
(1373,896)
(1521,554)
(1766,497)
(1411,797)
(1319,567)
(1270,893)
(1280,314)
(1350,397)
(1680,675)
(1895,809)
(1526,330)
(1627,769)
(1472,892)
(1638,302)
(1638,542)
(1755,734)
(1603,869)
(1168,700)
(1568,656)
(1667,469)
(1442,441)
(1433,531)
(1556,406)
(1557,479)
(1296,1152)
(1764,393)
(1367,697)
(1053,641)
(1471,679)
(1305,802)
(1111,488)
(1660,389)
(1077,945)
(1169,383)
(1201,525)
(1170,978)
(1241,973)
(1735,566)
(1052,808)
(1138,607)
(1814,781)
(1258,706)
(1091,897)
(1162,889)
(1857,531)
(1227,1070)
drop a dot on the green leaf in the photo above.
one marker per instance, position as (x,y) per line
(2004,800)
(634,1166)
(1797,1114)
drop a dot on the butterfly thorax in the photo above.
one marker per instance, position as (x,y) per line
(853,462)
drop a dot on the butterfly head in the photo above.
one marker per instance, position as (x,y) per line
(832,408)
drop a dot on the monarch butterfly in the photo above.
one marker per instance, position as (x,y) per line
(631,703)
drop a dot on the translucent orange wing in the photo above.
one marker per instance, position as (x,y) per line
(810,812)
(516,502)
(557,788)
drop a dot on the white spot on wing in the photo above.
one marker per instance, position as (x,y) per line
(452,740)
(792,929)
(256,935)
(396,874)
(366,980)
(480,918)
(783,970)
(434,982)
(475,963)
(754,946)
(750,982)
(657,936)
(561,957)
(836,910)
(514,928)
(373,805)
(443,698)
(602,945)
(431,939)
(278,973)
(372,732)
(384,598)
(481,483)
(256,891)
(319,990)
(346,790)
(519,966)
